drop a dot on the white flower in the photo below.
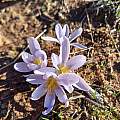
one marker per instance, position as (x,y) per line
(33,61)
(63,65)
(52,85)
(61,32)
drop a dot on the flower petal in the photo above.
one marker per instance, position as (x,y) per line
(21,67)
(66,30)
(27,57)
(69,88)
(39,92)
(82,85)
(55,60)
(51,39)
(49,103)
(77,45)
(58,30)
(35,79)
(45,70)
(68,79)
(64,50)
(33,45)
(33,66)
(42,55)
(60,93)
(76,62)
(75,34)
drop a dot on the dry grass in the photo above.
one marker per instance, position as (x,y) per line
(100,21)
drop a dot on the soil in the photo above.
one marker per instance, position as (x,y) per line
(20,19)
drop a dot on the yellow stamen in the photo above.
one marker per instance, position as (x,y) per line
(51,84)
(37,61)
(63,69)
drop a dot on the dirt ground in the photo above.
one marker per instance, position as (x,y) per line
(20,19)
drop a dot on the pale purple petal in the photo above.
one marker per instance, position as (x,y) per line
(51,39)
(27,57)
(61,40)
(68,79)
(33,66)
(58,30)
(77,45)
(55,60)
(49,102)
(48,110)
(76,62)
(75,34)
(21,67)
(39,92)
(66,30)
(35,79)
(82,85)
(49,74)
(33,45)
(69,88)
(60,93)
(64,50)
(45,70)
(42,55)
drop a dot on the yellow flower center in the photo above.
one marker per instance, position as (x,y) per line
(63,69)
(51,84)
(37,61)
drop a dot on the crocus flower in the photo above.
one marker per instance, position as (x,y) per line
(60,32)
(51,85)
(63,64)
(33,61)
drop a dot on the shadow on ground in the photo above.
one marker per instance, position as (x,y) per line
(15,93)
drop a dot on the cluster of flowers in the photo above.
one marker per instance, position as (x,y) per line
(53,80)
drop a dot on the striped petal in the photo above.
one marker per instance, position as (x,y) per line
(33,66)
(45,70)
(35,79)
(66,30)
(76,62)
(42,55)
(60,93)
(75,34)
(59,32)
(33,45)
(39,92)
(69,88)
(64,50)
(68,79)
(82,85)
(49,103)
(21,67)
(27,57)
(55,60)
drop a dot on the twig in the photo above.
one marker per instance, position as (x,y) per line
(81,50)
(90,25)
(21,53)
(76,97)
(41,34)
(87,99)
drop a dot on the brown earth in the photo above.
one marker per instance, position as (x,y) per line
(22,19)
